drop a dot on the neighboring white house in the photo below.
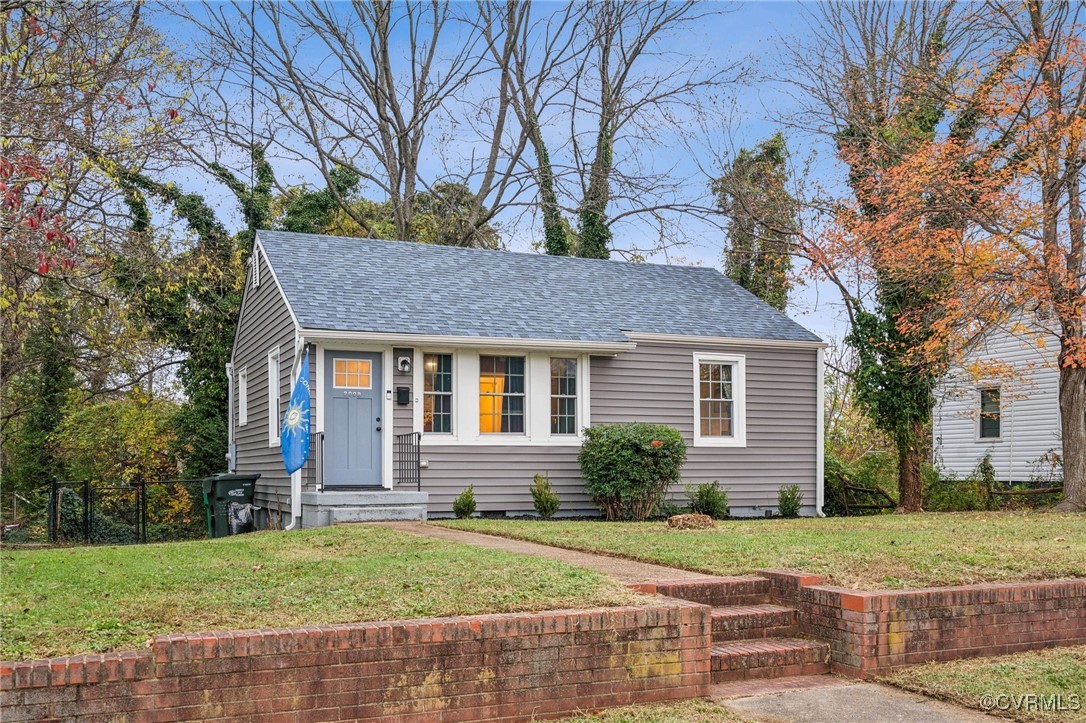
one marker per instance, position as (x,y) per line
(1001,400)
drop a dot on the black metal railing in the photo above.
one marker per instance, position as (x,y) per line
(408,460)
(112,513)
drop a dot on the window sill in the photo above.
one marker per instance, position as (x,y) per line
(733,443)
(498,440)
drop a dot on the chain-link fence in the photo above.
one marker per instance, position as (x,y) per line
(96,513)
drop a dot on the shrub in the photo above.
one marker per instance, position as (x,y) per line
(544,497)
(789,501)
(708,499)
(670,509)
(948,493)
(464,505)
(629,467)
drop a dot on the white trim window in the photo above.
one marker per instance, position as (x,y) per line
(243,396)
(502,394)
(719,400)
(563,402)
(437,393)
(275,393)
(990,421)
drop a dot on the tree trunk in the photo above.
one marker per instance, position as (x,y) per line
(910,484)
(555,238)
(1073,425)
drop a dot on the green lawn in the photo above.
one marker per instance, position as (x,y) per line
(976,683)
(92,599)
(886,551)
(689,711)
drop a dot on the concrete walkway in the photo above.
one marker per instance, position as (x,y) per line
(837,700)
(626,571)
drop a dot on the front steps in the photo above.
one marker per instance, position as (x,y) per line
(769,658)
(753,638)
(320,509)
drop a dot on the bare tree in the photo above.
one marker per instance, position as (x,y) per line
(361,86)
(625,89)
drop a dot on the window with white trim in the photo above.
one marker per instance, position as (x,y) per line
(275,391)
(563,396)
(990,414)
(243,397)
(501,394)
(719,400)
(437,393)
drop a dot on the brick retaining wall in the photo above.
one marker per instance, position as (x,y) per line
(871,633)
(491,667)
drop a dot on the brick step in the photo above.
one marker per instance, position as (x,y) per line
(716,591)
(768,658)
(748,622)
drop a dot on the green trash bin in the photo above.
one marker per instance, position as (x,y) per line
(219,491)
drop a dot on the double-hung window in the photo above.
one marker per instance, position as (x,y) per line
(501,394)
(437,393)
(719,400)
(563,396)
(990,416)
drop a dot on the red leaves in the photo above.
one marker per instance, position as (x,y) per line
(173,114)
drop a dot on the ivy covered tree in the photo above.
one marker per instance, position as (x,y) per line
(753,194)
(191,299)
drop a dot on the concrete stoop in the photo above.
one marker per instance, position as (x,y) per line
(320,509)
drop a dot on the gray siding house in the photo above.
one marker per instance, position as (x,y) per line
(432,368)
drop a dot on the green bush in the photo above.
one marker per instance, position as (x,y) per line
(629,467)
(789,501)
(544,497)
(948,493)
(464,505)
(668,508)
(708,499)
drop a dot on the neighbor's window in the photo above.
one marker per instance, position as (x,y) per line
(352,374)
(275,390)
(243,397)
(716,399)
(437,389)
(563,396)
(501,394)
(989,414)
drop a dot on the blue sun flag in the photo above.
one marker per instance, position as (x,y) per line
(294,439)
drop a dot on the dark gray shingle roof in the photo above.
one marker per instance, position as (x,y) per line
(350,284)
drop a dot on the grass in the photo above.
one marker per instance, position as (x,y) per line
(1056,672)
(886,551)
(688,711)
(94,599)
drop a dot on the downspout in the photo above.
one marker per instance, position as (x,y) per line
(231,464)
(820,417)
(296,477)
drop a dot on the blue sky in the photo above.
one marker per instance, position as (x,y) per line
(752,31)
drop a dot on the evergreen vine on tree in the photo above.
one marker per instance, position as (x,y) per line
(762,214)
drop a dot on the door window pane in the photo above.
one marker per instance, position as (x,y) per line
(352,374)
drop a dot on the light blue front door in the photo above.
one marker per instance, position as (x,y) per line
(352,419)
